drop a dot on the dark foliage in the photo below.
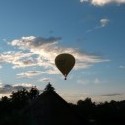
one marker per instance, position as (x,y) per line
(49,88)
(107,113)
(12,110)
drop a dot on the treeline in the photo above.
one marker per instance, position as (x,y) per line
(107,113)
(11,108)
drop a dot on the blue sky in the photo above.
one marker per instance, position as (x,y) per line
(34,32)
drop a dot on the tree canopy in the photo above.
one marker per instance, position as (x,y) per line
(107,113)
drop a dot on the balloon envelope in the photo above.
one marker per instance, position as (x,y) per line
(65,62)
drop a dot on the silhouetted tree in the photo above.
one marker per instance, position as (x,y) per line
(106,113)
(4,104)
(49,87)
(20,98)
(34,92)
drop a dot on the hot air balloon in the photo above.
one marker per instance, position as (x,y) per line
(65,62)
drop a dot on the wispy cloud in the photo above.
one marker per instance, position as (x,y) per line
(104,22)
(83,82)
(101,24)
(122,67)
(23,85)
(45,80)
(112,94)
(0,67)
(18,59)
(0,84)
(39,51)
(74,97)
(28,74)
(95,81)
(103,2)
(7,89)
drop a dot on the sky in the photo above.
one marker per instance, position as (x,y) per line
(34,32)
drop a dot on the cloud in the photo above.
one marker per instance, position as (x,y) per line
(7,89)
(0,67)
(28,74)
(52,71)
(104,22)
(74,97)
(39,51)
(95,81)
(35,42)
(113,94)
(45,80)
(103,2)
(26,85)
(18,59)
(122,67)
(83,82)
(0,84)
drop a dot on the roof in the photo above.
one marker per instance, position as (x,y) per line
(50,109)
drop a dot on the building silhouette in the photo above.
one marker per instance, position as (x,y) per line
(51,109)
